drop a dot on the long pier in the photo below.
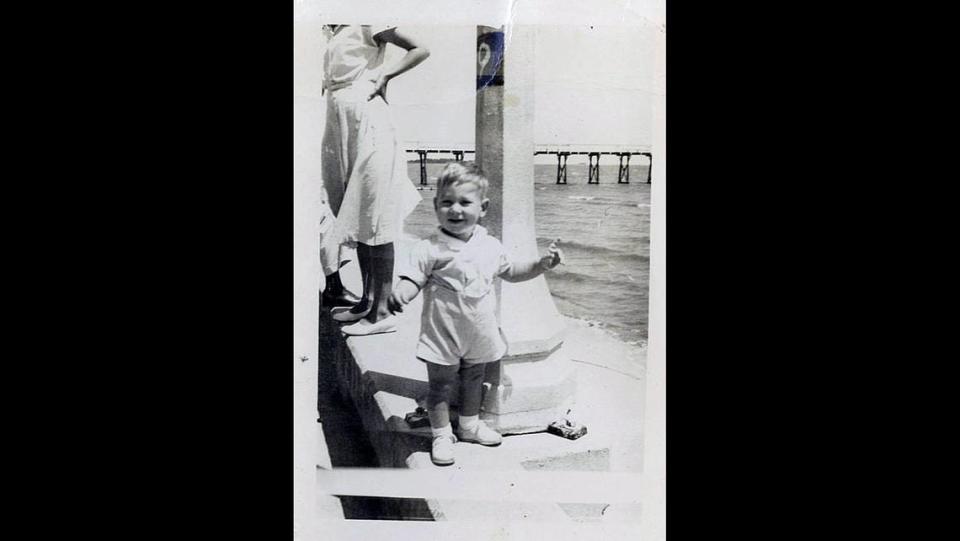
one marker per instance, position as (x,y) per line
(562,152)
(422,152)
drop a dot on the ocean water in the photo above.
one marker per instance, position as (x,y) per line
(605,232)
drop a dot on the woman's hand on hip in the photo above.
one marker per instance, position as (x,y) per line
(379,88)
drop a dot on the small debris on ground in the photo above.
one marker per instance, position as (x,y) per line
(567,427)
(418,418)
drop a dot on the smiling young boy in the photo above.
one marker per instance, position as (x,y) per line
(459,335)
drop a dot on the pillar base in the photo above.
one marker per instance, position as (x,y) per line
(530,394)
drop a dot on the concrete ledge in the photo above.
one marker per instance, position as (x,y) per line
(384,380)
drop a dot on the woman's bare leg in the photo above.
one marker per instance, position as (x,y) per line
(381,283)
(366,270)
(336,294)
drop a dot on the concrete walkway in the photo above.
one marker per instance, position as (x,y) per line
(383,380)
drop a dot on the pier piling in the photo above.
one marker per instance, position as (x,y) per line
(594,171)
(423,167)
(562,168)
(562,153)
(623,176)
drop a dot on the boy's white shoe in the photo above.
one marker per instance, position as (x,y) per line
(479,433)
(442,452)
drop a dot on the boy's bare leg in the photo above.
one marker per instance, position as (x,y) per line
(471,428)
(471,388)
(441,379)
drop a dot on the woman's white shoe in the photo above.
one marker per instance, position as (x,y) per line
(364,327)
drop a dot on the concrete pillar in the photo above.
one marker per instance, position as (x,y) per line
(537,383)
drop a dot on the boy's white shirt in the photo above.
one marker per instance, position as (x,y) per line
(466,267)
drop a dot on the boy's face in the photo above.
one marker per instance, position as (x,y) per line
(459,207)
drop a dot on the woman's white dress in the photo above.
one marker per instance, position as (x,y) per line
(364,167)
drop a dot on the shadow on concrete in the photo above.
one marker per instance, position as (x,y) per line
(349,446)
(399,385)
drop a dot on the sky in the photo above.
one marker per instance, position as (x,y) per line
(594,85)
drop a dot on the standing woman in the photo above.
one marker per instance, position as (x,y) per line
(364,168)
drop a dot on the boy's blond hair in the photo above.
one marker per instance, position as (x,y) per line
(456,173)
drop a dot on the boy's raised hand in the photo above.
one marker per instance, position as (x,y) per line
(555,256)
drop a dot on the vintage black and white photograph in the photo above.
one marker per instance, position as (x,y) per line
(478,217)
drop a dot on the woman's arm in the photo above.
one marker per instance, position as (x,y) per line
(416,53)
(528,270)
